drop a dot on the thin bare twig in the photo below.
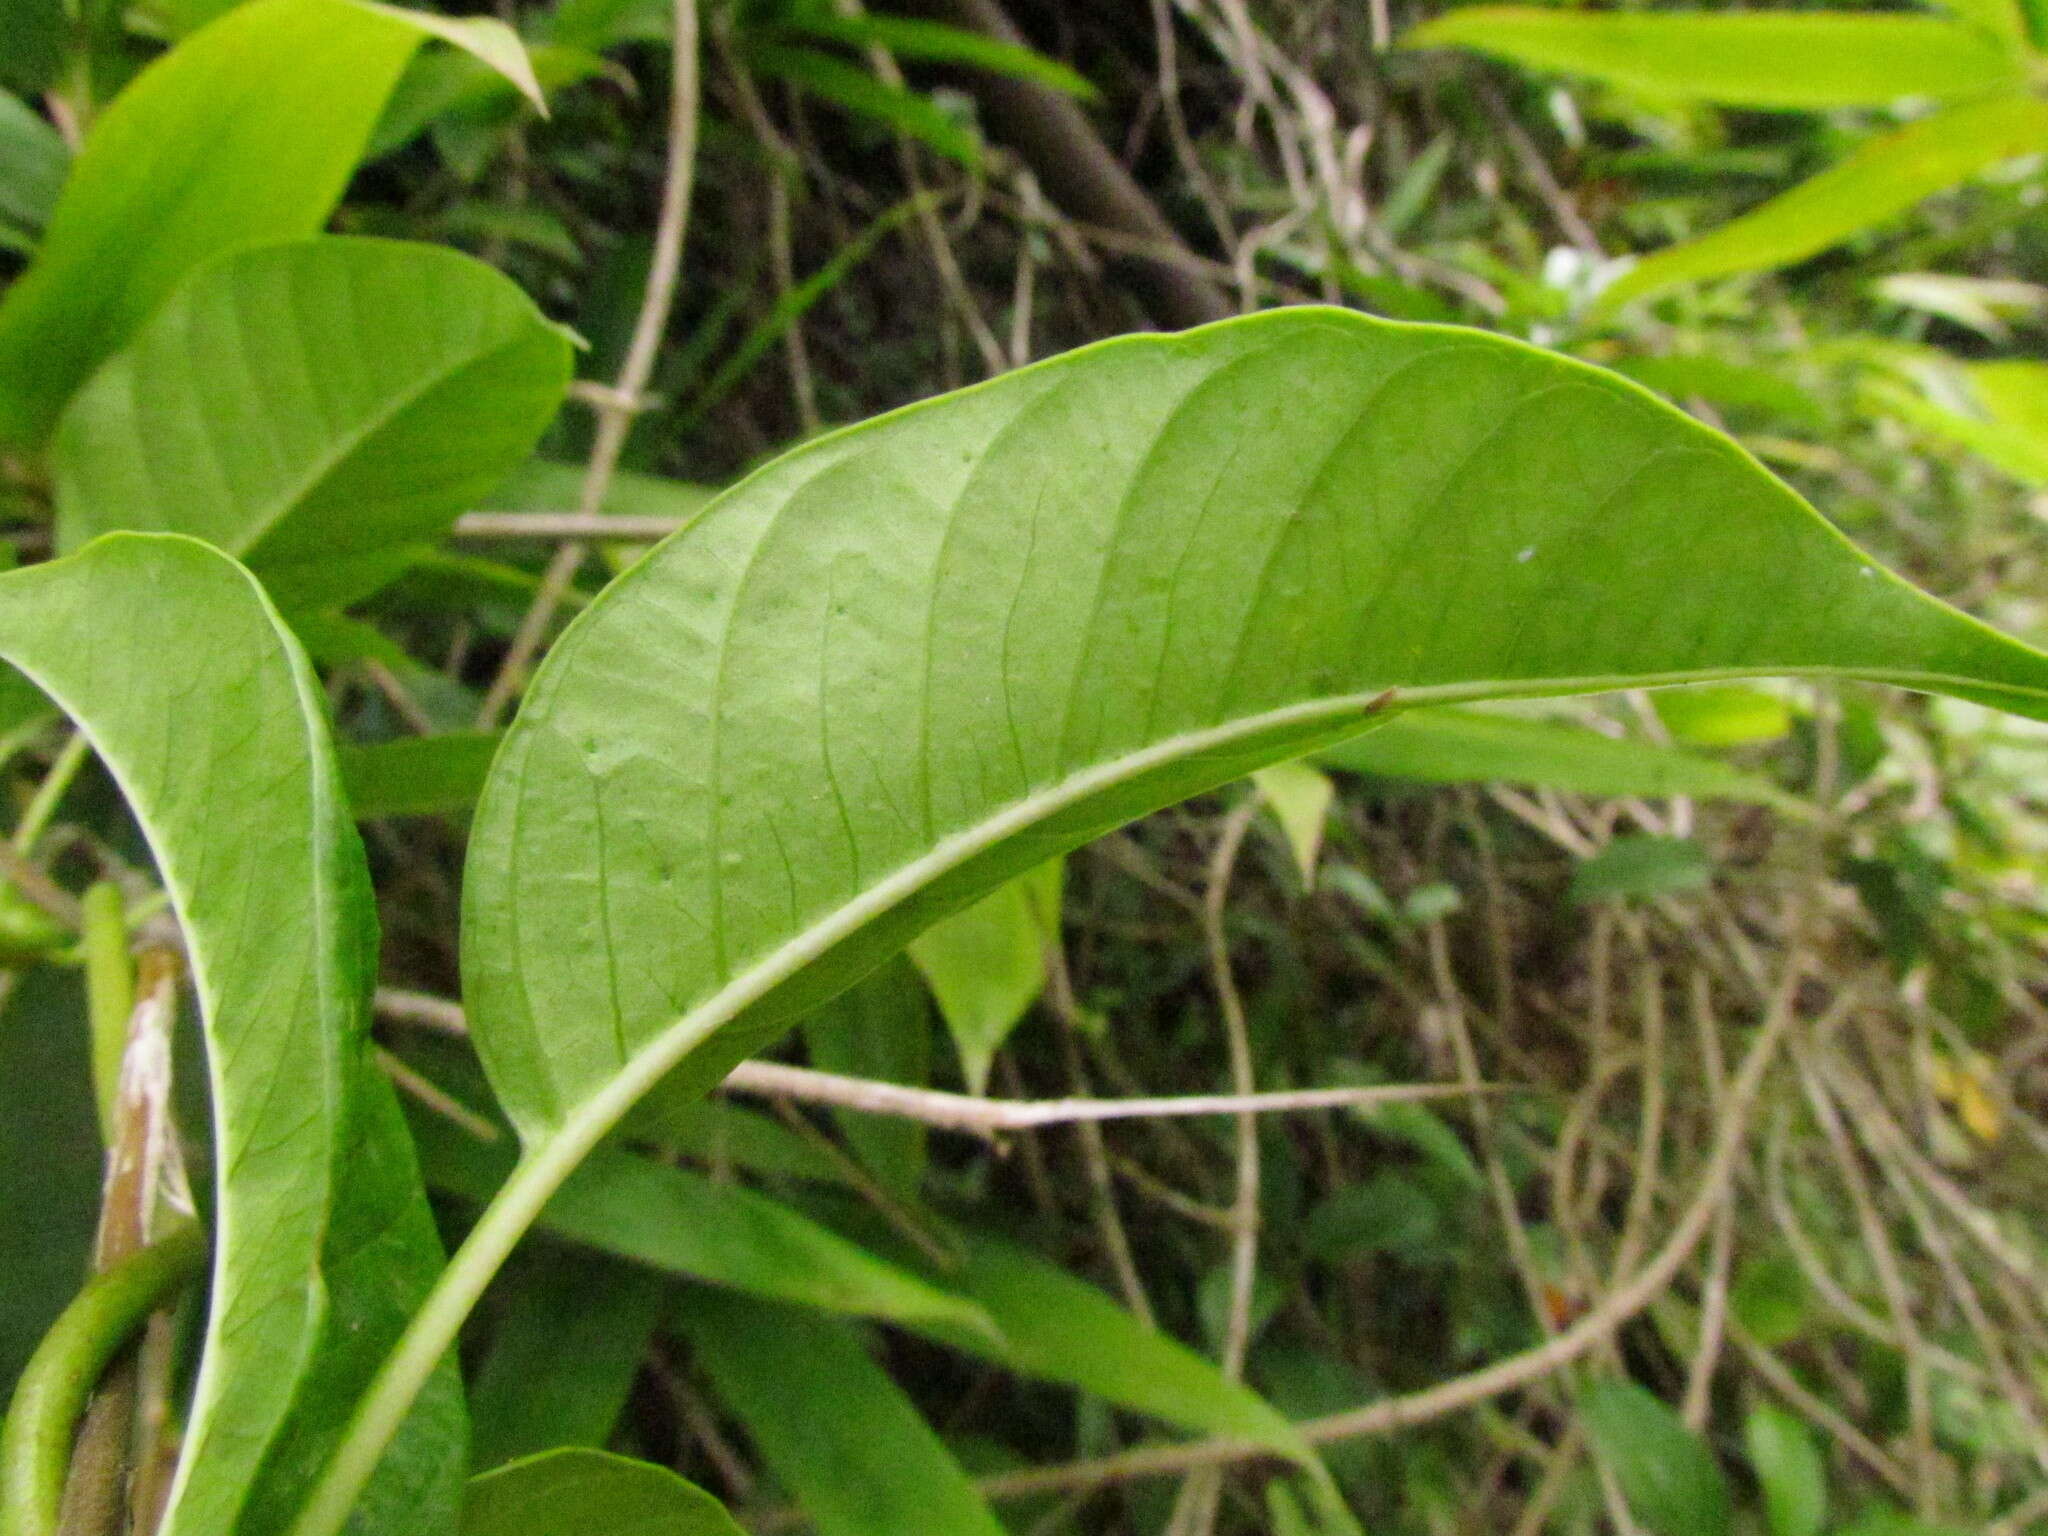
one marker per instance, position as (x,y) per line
(616,413)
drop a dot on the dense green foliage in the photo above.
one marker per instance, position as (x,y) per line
(893,691)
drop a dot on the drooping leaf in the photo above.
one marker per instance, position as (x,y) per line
(195,696)
(689,1225)
(245,132)
(33,163)
(986,965)
(316,408)
(1790,1470)
(934,42)
(1722,714)
(905,663)
(1666,1471)
(1299,797)
(2003,418)
(416,775)
(1464,746)
(1741,58)
(855,90)
(1882,178)
(831,1425)
(589,1493)
(566,1344)
(1055,1326)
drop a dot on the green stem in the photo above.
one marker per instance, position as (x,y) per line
(109,993)
(35,1443)
(50,793)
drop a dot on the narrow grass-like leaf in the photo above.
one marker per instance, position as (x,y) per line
(196,697)
(245,132)
(1467,746)
(909,661)
(689,1225)
(1882,178)
(913,38)
(854,89)
(1742,58)
(879,1029)
(2006,424)
(831,1425)
(316,408)
(568,1339)
(590,1493)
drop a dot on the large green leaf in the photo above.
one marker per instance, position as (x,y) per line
(1742,58)
(590,1493)
(987,628)
(832,1426)
(195,696)
(314,408)
(246,132)
(1883,177)
(911,660)
(1464,746)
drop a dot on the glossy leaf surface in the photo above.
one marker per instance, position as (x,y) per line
(246,132)
(1747,58)
(590,1493)
(913,659)
(195,696)
(314,408)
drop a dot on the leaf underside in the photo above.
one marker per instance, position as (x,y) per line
(912,659)
(201,706)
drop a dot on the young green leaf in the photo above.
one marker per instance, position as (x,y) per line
(1299,797)
(195,696)
(578,1492)
(1742,58)
(986,965)
(1883,177)
(1666,1471)
(1790,1470)
(315,408)
(909,661)
(245,132)
(829,1422)
(1464,746)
